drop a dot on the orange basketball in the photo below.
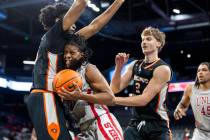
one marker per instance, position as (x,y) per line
(66,78)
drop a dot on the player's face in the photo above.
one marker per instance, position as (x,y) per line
(149,44)
(203,74)
(72,56)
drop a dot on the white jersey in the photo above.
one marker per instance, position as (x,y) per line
(96,122)
(84,110)
(200,102)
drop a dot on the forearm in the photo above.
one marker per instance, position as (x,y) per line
(130,101)
(73,13)
(100,21)
(99,98)
(182,105)
(116,80)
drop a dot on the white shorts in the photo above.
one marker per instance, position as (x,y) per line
(105,127)
(200,135)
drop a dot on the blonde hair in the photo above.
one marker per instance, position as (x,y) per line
(157,34)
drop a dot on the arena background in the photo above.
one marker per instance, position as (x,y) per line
(185,22)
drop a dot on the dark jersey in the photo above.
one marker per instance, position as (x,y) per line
(49,59)
(156,108)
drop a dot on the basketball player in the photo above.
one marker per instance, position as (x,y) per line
(44,107)
(151,76)
(90,111)
(198,96)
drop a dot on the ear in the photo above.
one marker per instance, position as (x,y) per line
(158,44)
(82,54)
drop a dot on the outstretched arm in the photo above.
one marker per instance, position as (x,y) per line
(183,105)
(73,13)
(100,21)
(160,78)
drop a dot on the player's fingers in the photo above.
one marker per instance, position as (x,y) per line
(60,94)
(66,92)
(176,115)
(180,115)
(183,112)
(77,87)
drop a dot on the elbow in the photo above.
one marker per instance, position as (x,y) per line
(142,103)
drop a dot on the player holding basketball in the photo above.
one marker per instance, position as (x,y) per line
(151,76)
(44,107)
(94,118)
(198,96)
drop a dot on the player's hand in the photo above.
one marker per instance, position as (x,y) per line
(67,95)
(121,59)
(179,113)
(64,94)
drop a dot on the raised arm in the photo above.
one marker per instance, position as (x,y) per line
(118,83)
(73,13)
(183,105)
(160,78)
(100,21)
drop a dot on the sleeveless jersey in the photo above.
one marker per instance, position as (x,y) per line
(87,111)
(49,59)
(156,108)
(200,103)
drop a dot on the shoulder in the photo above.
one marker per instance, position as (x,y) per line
(162,73)
(162,69)
(189,87)
(162,62)
(188,90)
(91,70)
(92,73)
(90,66)
(56,29)
(133,63)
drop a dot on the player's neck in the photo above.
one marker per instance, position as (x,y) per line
(150,58)
(205,86)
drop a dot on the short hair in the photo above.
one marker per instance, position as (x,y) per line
(50,13)
(80,42)
(157,34)
(197,84)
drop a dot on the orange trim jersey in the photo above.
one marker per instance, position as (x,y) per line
(49,59)
(45,108)
(156,108)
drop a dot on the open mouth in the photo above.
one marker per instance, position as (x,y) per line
(144,47)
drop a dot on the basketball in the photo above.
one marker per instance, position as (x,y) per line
(66,79)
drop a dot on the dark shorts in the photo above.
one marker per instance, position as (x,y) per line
(46,113)
(147,130)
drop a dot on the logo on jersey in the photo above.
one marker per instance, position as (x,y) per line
(203,104)
(140,79)
(111,131)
